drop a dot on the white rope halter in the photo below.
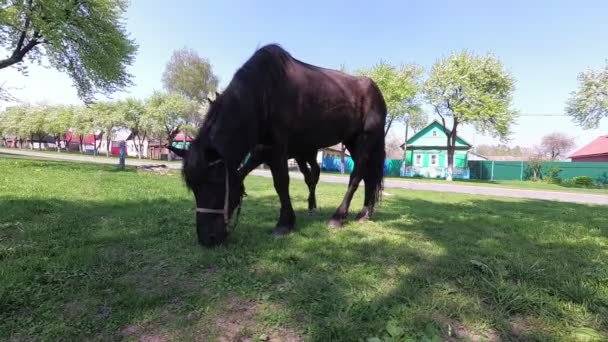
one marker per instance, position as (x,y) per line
(226,210)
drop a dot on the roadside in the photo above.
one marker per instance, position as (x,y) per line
(466,189)
(131,161)
(328,178)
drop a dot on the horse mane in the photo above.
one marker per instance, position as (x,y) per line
(263,73)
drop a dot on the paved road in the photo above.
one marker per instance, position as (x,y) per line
(388,183)
(87,158)
(468,189)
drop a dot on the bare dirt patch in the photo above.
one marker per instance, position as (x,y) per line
(237,323)
(161,169)
(456,331)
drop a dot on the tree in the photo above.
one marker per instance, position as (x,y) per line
(60,120)
(393,148)
(556,144)
(85,39)
(589,104)
(136,119)
(106,116)
(11,122)
(471,90)
(34,124)
(82,125)
(399,86)
(191,76)
(167,113)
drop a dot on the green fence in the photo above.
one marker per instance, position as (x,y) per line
(517,170)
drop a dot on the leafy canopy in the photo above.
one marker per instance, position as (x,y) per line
(167,112)
(190,75)
(472,90)
(589,104)
(399,86)
(85,39)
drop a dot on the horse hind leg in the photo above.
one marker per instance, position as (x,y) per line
(374,175)
(339,217)
(306,172)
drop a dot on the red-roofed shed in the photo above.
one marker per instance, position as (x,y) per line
(595,151)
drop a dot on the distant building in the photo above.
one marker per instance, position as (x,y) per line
(427,154)
(475,156)
(595,151)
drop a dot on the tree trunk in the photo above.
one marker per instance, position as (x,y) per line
(388,125)
(81,144)
(451,149)
(169,157)
(407,126)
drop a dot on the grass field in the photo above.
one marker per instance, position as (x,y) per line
(89,253)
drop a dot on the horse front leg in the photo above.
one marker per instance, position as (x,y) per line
(280,177)
(315,172)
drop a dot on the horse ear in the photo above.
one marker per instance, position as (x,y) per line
(182,153)
(217,94)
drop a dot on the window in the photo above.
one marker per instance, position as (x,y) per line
(434,133)
(418,160)
(433,160)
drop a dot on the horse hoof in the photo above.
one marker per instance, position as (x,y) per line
(362,217)
(333,223)
(280,231)
(312,211)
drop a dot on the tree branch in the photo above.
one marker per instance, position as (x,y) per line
(22,37)
(390,122)
(18,55)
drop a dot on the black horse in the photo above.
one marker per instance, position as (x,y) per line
(292,107)
(307,163)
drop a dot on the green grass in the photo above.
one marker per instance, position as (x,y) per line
(89,253)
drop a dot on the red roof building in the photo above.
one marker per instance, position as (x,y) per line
(88,139)
(595,151)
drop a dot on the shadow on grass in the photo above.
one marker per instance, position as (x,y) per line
(97,270)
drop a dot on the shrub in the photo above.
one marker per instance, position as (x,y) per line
(583,181)
(553,175)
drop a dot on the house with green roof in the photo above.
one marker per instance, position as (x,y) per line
(426,154)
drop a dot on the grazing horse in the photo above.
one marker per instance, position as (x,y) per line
(278,101)
(307,163)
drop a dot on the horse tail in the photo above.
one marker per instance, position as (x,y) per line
(375,172)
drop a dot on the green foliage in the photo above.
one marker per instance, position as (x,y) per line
(535,166)
(85,39)
(399,86)
(190,75)
(472,90)
(583,181)
(553,175)
(589,104)
(169,111)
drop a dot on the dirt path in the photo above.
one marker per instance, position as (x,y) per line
(388,183)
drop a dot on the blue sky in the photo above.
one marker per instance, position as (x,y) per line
(544,45)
